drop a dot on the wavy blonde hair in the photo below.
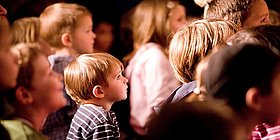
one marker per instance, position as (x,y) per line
(26,30)
(193,42)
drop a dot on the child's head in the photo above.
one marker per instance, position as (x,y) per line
(95,76)
(176,16)
(245,13)
(38,86)
(191,43)
(268,35)
(105,36)
(67,25)
(246,76)
(27,30)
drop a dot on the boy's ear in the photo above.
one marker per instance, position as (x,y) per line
(23,95)
(97,92)
(253,99)
(66,39)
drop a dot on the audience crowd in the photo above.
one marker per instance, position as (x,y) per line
(141,70)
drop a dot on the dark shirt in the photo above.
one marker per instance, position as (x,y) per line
(178,94)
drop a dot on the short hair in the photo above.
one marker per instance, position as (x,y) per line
(25,30)
(87,71)
(268,35)
(233,70)
(194,41)
(232,10)
(60,18)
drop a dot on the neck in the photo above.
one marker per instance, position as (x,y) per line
(102,103)
(65,51)
(34,119)
(249,120)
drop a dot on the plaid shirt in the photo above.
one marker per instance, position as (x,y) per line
(266,132)
(58,123)
(93,122)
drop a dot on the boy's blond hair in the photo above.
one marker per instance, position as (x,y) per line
(25,30)
(87,71)
(193,42)
(58,19)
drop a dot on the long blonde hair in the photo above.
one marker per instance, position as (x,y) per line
(150,24)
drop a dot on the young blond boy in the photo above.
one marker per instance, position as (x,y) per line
(68,30)
(95,81)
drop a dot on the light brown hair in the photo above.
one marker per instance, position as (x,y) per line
(87,71)
(60,18)
(194,41)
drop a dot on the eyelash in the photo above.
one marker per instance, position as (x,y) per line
(263,20)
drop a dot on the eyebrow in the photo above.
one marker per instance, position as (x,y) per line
(263,15)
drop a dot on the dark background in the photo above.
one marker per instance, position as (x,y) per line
(113,9)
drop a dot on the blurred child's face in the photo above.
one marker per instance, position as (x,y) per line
(258,14)
(178,18)
(272,102)
(104,37)
(8,69)
(83,36)
(117,89)
(46,86)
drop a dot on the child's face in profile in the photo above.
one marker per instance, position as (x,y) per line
(258,14)
(104,37)
(46,85)
(83,36)
(117,89)
(178,18)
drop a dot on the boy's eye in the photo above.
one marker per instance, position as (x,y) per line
(263,20)
(118,77)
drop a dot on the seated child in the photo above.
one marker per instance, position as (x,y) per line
(38,93)
(95,82)
(247,82)
(191,44)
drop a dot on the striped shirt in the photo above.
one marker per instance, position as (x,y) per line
(93,122)
(266,132)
